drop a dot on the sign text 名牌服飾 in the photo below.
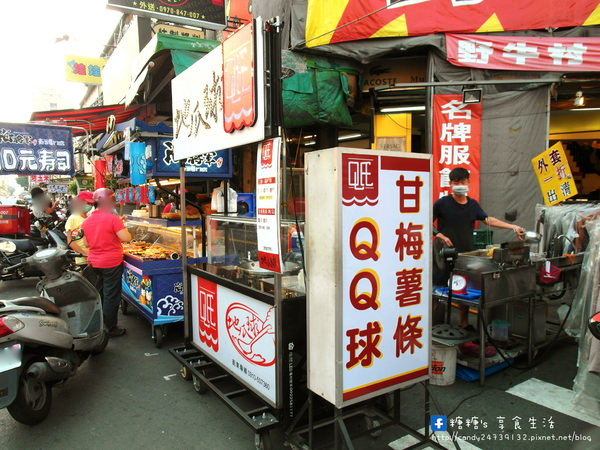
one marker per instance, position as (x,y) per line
(456,142)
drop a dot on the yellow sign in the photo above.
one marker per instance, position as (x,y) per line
(82,69)
(554,175)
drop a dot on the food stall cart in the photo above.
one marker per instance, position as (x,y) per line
(152,281)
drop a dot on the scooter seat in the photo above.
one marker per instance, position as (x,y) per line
(38,302)
(23,245)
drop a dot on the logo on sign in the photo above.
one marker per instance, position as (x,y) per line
(207,314)
(266,154)
(251,335)
(360,179)
(439,423)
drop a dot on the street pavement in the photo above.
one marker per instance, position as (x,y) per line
(131,397)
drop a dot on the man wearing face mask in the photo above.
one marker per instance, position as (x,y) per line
(456,215)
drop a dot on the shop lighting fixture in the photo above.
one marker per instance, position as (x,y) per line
(579,99)
(309,143)
(399,109)
(585,109)
(349,137)
(472,95)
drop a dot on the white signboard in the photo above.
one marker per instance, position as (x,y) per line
(57,188)
(379,250)
(198,107)
(238,332)
(267,205)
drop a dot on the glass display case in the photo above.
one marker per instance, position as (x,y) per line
(153,273)
(233,254)
(248,320)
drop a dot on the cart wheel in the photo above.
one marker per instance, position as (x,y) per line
(124,307)
(373,423)
(158,335)
(262,441)
(185,373)
(199,385)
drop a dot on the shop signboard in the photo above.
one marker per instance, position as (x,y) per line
(198,122)
(350,20)
(85,183)
(238,332)
(39,178)
(57,189)
(456,142)
(165,28)
(208,14)
(83,69)
(268,225)
(545,54)
(369,267)
(210,165)
(394,71)
(35,149)
(554,175)
(239,77)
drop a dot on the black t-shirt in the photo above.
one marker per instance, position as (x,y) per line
(457,221)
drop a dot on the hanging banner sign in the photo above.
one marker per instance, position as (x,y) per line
(207,165)
(268,230)
(200,13)
(554,175)
(35,149)
(456,142)
(57,189)
(239,88)
(85,183)
(373,211)
(198,123)
(82,69)
(353,20)
(238,332)
(524,53)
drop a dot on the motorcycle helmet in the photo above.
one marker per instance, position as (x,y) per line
(102,194)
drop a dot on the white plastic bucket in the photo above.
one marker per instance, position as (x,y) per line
(443,365)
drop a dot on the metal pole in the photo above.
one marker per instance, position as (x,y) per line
(184,260)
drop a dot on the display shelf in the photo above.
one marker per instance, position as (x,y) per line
(164,222)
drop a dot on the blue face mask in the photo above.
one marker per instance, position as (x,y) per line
(87,208)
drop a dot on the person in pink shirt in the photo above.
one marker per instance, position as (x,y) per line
(103,233)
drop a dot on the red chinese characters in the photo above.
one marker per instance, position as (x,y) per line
(456,142)
(207,314)
(252,336)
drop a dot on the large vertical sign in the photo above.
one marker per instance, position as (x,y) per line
(238,332)
(554,175)
(267,205)
(239,78)
(35,149)
(385,277)
(456,142)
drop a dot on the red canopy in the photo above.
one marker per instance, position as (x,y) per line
(92,119)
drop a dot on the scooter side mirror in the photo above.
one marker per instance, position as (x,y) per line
(8,246)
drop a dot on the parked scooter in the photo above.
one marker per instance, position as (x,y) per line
(43,340)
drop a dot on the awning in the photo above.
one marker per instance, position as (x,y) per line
(164,58)
(91,119)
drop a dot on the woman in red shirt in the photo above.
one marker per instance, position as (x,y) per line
(103,233)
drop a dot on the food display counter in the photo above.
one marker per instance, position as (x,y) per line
(248,324)
(152,276)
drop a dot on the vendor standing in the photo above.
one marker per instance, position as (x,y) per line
(456,214)
(103,234)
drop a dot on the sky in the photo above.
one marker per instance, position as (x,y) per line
(33,62)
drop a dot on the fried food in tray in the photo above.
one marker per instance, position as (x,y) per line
(147,252)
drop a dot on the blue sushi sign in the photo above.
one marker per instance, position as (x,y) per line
(36,149)
(208,165)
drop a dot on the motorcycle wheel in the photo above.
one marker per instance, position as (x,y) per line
(33,401)
(102,345)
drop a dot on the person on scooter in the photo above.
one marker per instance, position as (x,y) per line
(103,234)
(41,205)
(80,207)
